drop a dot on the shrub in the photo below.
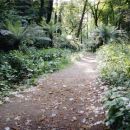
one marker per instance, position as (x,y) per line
(67,42)
(110,34)
(17,67)
(16,28)
(36,37)
(90,45)
(115,71)
(115,63)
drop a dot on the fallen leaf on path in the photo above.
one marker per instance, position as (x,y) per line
(98,123)
(42,118)
(50,92)
(83,120)
(81,112)
(28,122)
(17,118)
(74,119)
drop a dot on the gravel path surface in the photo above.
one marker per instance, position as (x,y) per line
(65,100)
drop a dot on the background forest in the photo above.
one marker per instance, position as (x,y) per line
(40,36)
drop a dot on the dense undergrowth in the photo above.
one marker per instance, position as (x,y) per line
(115,72)
(22,67)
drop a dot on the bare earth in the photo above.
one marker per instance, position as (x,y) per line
(65,100)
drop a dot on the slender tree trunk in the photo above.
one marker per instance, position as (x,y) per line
(87,24)
(55,18)
(41,10)
(49,11)
(96,21)
(82,17)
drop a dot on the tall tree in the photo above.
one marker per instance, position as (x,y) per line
(82,18)
(49,10)
(46,8)
(96,11)
(41,10)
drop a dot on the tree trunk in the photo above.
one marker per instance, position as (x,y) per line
(49,11)
(82,17)
(96,21)
(42,10)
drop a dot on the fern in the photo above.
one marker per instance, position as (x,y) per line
(16,28)
(111,34)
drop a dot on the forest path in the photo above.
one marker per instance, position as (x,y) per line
(65,100)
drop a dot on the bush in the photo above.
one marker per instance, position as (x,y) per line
(115,63)
(67,42)
(110,34)
(36,36)
(17,67)
(115,71)
(90,45)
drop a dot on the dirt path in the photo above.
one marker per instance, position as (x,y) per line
(65,100)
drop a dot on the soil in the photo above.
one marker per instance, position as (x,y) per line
(66,100)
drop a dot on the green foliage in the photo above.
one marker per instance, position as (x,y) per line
(16,28)
(51,27)
(104,35)
(35,36)
(70,21)
(17,66)
(115,13)
(68,42)
(115,72)
(110,34)
(117,103)
(90,45)
(115,62)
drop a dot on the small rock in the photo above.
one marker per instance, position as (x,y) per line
(7,128)
(64,86)
(7,99)
(53,115)
(50,92)
(71,99)
(83,120)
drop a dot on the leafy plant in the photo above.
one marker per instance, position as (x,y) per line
(36,36)
(110,34)
(16,28)
(68,42)
(114,67)
(50,27)
(17,67)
